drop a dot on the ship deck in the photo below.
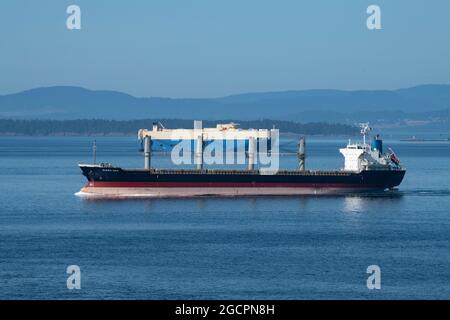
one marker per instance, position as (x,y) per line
(243,172)
(228,172)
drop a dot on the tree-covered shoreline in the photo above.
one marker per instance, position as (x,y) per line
(99,127)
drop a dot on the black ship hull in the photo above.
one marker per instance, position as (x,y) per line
(117,182)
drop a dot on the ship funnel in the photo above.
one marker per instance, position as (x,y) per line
(377,144)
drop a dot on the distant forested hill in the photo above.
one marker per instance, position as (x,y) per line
(64,103)
(130,127)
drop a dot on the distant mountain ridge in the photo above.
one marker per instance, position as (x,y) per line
(64,102)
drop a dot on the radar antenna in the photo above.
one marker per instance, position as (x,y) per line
(365,129)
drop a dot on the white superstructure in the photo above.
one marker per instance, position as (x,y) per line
(361,156)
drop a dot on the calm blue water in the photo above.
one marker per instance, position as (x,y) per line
(212,248)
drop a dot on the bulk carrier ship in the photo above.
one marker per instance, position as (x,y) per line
(366,168)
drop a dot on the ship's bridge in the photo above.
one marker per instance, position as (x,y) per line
(362,156)
(352,155)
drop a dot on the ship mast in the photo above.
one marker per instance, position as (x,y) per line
(94,152)
(365,129)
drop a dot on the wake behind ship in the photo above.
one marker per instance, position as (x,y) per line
(366,168)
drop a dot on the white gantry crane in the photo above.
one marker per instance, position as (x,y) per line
(226,131)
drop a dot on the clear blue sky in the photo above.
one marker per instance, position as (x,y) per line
(206,48)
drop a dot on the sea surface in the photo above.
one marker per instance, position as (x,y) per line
(305,247)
